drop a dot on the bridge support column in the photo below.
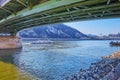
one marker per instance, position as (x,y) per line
(10,42)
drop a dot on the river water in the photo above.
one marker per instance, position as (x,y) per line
(53,61)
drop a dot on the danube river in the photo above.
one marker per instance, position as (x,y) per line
(53,61)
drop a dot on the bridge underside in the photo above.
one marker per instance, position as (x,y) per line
(58,11)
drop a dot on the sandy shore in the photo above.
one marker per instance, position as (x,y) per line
(108,68)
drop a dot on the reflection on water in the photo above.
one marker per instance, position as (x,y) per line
(7,55)
(8,71)
(54,45)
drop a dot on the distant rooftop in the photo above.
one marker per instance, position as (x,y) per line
(3,2)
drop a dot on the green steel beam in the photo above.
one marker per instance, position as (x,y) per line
(68,20)
(42,8)
(7,10)
(97,16)
(21,3)
(54,10)
(13,4)
(77,12)
(38,22)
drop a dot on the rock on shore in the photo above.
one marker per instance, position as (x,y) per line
(114,55)
(106,69)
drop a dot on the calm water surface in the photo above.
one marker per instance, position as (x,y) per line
(55,61)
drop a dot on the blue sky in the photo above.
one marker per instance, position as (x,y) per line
(103,26)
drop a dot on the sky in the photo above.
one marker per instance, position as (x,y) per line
(97,27)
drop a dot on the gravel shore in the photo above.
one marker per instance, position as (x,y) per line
(108,68)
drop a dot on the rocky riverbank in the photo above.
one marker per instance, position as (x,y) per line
(108,68)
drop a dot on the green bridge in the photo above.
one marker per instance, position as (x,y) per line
(16,15)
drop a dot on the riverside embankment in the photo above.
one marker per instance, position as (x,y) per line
(108,68)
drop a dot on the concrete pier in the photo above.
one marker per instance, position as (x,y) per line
(10,42)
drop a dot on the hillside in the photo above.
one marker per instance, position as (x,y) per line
(54,31)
